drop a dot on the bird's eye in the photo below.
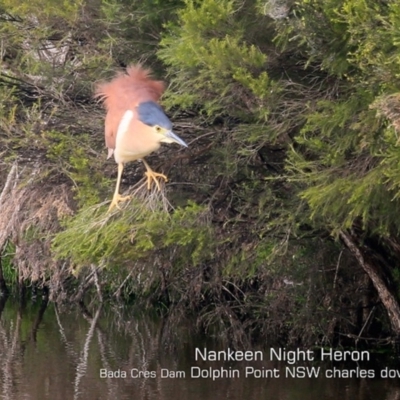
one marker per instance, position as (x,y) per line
(158,129)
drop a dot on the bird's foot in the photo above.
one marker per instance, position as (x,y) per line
(116,199)
(151,175)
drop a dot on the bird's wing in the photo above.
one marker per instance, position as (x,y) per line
(111,124)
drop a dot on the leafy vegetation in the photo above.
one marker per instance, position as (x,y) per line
(281,220)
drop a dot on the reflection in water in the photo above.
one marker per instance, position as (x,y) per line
(47,353)
(82,366)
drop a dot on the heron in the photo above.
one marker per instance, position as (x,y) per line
(135,123)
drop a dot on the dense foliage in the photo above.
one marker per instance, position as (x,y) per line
(281,220)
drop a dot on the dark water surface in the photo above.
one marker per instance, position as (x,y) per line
(47,353)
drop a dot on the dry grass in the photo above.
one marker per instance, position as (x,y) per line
(30,213)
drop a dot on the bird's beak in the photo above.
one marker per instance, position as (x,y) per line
(175,138)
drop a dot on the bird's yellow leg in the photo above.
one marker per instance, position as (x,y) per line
(117,197)
(151,175)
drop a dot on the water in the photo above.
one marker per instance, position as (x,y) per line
(47,353)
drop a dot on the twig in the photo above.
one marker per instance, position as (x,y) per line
(365,324)
(337,270)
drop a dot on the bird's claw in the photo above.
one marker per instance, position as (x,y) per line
(116,199)
(151,175)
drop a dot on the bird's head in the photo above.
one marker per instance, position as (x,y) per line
(151,114)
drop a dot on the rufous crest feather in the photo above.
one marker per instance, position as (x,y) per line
(134,85)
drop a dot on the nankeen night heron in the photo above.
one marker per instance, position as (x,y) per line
(135,124)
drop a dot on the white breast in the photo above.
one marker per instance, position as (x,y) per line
(130,146)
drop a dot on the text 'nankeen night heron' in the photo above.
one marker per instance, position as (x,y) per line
(135,124)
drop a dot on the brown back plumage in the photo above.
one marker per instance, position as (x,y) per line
(124,92)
